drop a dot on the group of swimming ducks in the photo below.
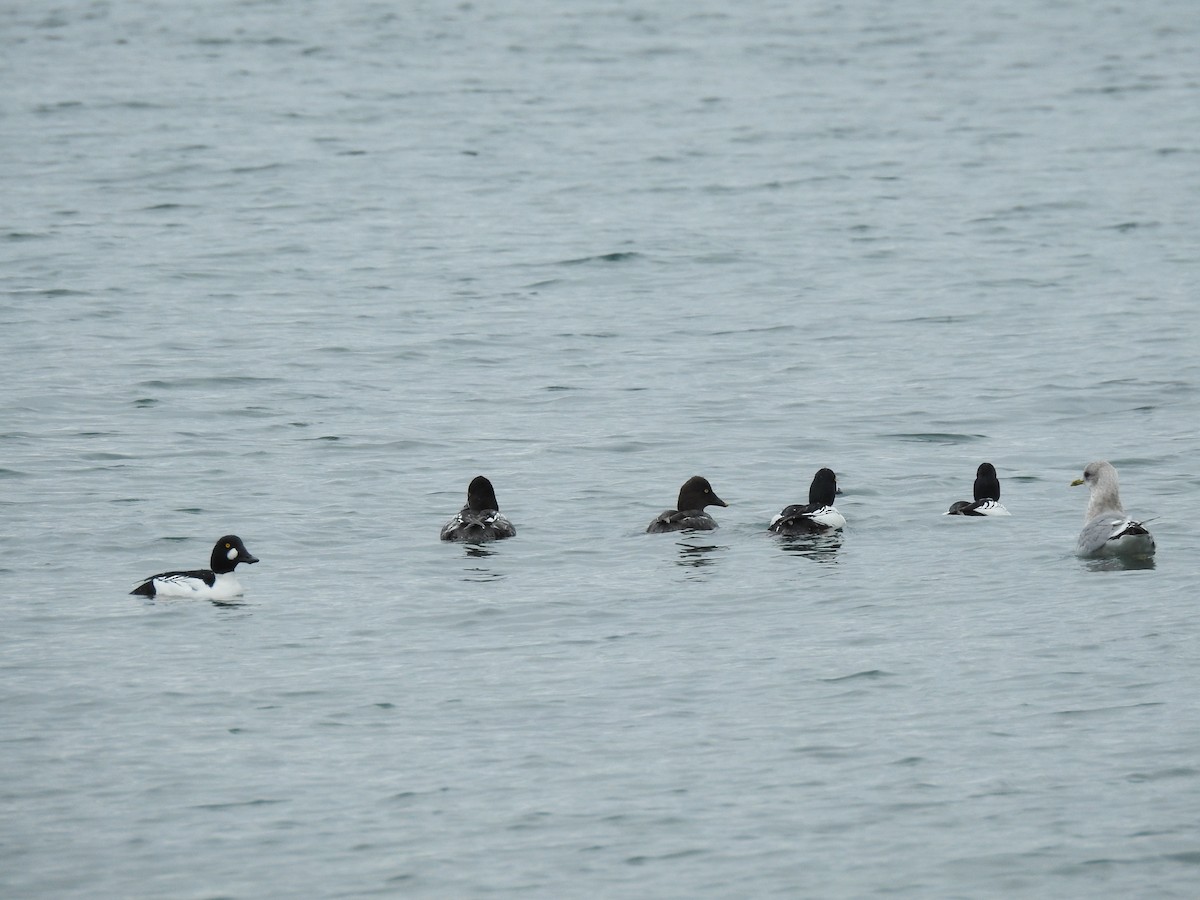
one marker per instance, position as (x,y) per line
(1108,530)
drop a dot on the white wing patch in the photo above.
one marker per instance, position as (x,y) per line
(179,586)
(828,516)
(187,586)
(992,508)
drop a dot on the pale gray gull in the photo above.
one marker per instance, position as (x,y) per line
(1108,530)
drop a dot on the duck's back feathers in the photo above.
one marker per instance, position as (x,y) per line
(807,519)
(182,582)
(478,526)
(985,507)
(685,520)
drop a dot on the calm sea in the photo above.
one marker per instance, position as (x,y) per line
(300,270)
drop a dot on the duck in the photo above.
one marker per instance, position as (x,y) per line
(480,520)
(987,496)
(217,582)
(689,515)
(817,516)
(1107,529)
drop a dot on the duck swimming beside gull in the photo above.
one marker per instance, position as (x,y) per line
(987,496)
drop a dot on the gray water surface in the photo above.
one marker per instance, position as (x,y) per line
(299,271)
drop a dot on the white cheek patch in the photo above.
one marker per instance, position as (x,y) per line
(232,554)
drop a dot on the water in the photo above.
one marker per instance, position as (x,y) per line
(300,271)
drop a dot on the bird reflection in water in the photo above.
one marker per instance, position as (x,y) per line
(698,556)
(821,548)
(479,573)
(1119,563)
(233,606)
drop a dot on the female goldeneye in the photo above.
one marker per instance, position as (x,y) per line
(689,515)
(816,516)
(1107,530)
(987,496)
(216,583)
(480,520)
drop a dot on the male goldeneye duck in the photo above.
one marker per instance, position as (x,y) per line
(816,516)
(1107,530)
(216,583)
(689,515)
(480,520)
(987,496)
